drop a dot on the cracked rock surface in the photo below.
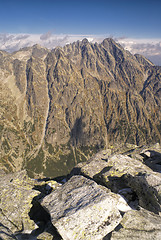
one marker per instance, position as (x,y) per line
(109,197)
(81,209)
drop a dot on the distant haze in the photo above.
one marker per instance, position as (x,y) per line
(150,48)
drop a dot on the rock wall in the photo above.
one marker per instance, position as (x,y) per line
(59,107)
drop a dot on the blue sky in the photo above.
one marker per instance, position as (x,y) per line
(129,18)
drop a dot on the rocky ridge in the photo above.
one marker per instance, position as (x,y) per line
(59,107)
(111,196)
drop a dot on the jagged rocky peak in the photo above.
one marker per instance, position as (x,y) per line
(108,41)
(85,41)
(58,52)
(25,53)
(39,51)
(144,61)
(3,53)
(67,103)
(109,44)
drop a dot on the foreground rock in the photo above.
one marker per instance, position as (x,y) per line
(139,225)
(121,173)
(143,181)
(16,194)
(80,209)
(19,196)
(6,233)
(111,196)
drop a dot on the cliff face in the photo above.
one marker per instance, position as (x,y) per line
(58,107)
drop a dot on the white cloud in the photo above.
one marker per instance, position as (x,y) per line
(13,42)
(22,36)
(150,48)
(46,36)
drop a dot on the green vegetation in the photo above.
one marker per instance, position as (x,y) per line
(50,148)
(51,131)
(36,164)
(27,149)
(5,162)
(53,161)
(14,155)
(125,131)
(1,129)
(29,127)
(89,150)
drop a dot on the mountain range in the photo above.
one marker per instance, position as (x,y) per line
(58,107)
(149,48)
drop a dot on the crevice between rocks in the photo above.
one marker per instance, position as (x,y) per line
(43,220)
(109,235)
(41,217)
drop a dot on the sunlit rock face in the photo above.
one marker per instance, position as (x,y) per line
(58,107)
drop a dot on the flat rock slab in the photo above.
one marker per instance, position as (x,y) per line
(119,172)
(81,209)
(93,166)
(16,194)
(141,179)
(6,234)
(139,225)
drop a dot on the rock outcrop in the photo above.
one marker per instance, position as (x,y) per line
(16,192)
(59,107)
(139,225)
(122,174)
(20,210)
(111,196)
(80,209)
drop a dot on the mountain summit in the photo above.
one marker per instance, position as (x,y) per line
(58,107)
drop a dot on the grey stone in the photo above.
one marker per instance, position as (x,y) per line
(139,225)
(89,169)
(18,197)
(81,209)
(120,171)
(126,171)
(6,233)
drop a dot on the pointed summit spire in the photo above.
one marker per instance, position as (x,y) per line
(85,41)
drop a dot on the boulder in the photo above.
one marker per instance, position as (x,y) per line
(93,166)
(152,159)
(81,209)
(16,195)
(149,155)
(6,234)
(45,236)
(89,169)
(108,197)
(19,197)
(129,172)
(120,172)
(139,225)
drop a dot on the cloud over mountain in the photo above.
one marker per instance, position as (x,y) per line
(46,36)
(150,48)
